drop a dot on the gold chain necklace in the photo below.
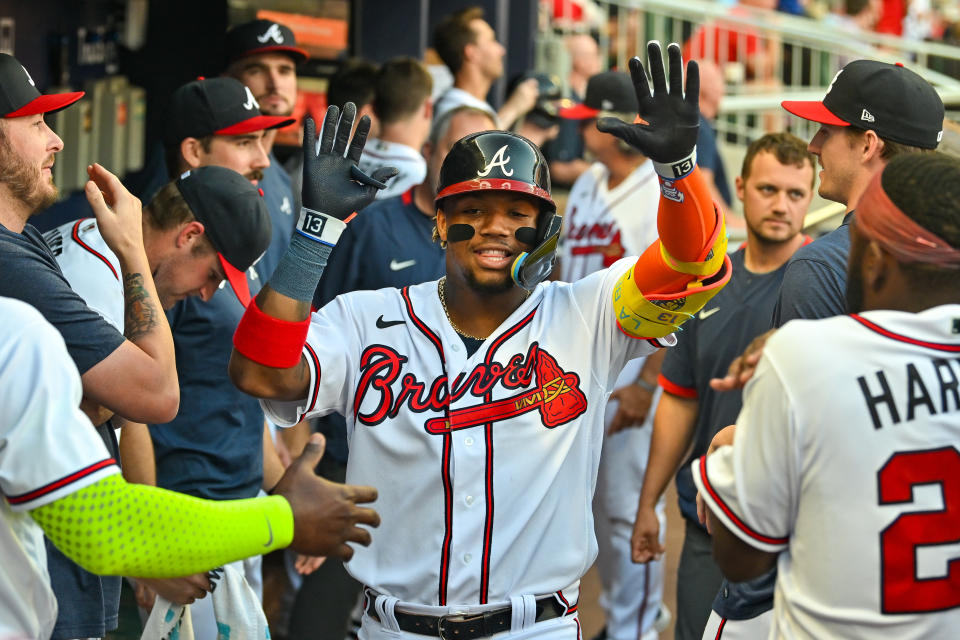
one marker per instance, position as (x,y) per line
(443,301)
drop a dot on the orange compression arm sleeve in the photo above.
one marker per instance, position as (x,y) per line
(688,224)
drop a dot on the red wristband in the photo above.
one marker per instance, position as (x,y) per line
(270,341)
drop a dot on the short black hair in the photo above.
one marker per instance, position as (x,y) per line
(355,82)
(926,187)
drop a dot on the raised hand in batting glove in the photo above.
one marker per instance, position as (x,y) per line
(669,134)
(333,184)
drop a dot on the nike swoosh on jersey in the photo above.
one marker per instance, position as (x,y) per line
(383,324)
(706,313)
(398,266)
(270,529)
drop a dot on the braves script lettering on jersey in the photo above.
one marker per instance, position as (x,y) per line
(485,464)
(852,472)
(602,225)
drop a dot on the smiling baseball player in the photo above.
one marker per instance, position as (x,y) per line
(478,411)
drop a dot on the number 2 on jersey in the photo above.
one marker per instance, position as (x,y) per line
(901,590)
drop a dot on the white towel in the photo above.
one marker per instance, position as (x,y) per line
(238,612)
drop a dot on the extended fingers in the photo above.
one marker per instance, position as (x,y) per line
(655,64)
(360,494)
(359,139)
(344,129)
(640,85)
(676,69)
(309,140)
(692,96)
(329,129)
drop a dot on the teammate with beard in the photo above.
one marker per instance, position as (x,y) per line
(844,462)
(130,373)
(471,407)
(263,55)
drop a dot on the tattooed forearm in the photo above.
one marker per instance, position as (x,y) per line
(140,313)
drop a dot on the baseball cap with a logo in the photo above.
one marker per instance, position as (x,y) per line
(19,95)
(889,99)
(262,36)
(608,91)
(234,217)
(216,106)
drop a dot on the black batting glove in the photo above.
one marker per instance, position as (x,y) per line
(332,181)
(669,135)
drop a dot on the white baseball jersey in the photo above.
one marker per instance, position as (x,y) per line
(48,449)
(846,460)
(602,225)
(383,153)
(454,97)
(90,267)
(485,464)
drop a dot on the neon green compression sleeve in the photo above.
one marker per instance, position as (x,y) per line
(112,527)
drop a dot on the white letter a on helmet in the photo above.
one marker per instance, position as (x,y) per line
(500,159)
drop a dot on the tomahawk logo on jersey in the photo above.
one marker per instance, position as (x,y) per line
(526,390)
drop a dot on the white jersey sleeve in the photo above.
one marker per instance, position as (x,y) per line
(48,447)
(593,299)
(330,341)
(90,267)
(752,486)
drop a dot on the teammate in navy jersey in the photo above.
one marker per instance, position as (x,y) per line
(775,186)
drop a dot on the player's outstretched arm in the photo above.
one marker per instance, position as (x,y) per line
(267,361)
(174,535)
(687,265)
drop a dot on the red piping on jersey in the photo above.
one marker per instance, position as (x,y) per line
(445,466)
(566,605)
(407,196)
(643,602)
(723,623)
(488,471)
(76,238)
(675,389)
(729,512)
(62,482)
(316,385)
(886,333)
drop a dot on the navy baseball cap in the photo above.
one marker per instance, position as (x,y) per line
(607,91)
(216,106)
(19,95)
(234,217)
(262,36)
(889,99)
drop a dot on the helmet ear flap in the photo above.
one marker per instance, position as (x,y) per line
(529,269)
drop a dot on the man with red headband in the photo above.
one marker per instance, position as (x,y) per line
(845,468)
(475,403)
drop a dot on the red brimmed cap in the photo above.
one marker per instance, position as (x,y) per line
(216,106)
(813,110)
(234,217)
(607,91)
(262,36)
(889,99)
(19,95)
